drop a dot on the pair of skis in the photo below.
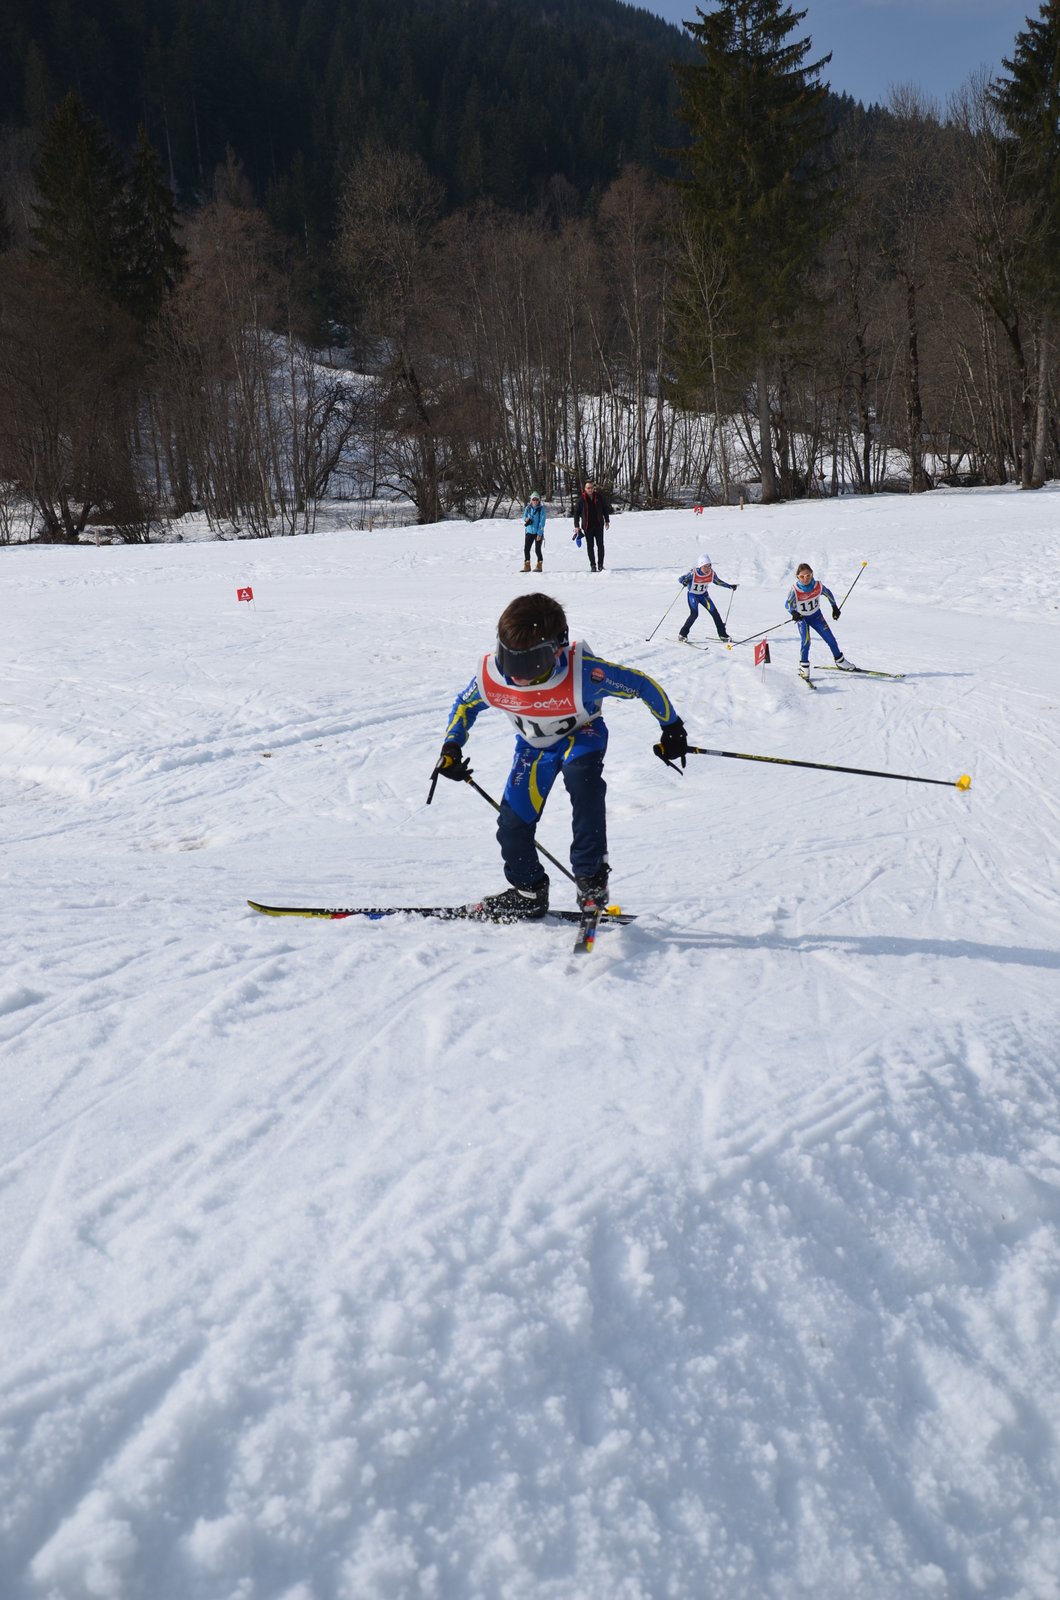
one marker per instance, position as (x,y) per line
(853,672)
(588,921)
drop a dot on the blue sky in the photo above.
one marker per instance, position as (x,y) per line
(936,44)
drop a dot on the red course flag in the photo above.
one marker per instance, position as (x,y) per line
(761,653)
(245,594)
(698,510)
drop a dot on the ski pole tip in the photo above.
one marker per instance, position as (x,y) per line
(964,781)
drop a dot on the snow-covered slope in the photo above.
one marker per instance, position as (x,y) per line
(349,1260)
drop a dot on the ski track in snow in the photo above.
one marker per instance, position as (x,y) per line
(354,1260)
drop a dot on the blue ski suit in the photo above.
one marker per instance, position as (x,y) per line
(804,604)
(697,582)
(559,729)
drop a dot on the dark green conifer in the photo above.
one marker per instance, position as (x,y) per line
(153,258)
(1029,102)
(79,220)
(757,191)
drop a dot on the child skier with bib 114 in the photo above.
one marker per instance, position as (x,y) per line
(804,605)
(698,583)
(552,689)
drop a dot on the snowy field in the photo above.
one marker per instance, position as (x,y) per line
(351,1260)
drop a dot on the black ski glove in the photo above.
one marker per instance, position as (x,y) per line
(836,613)
(673,744)
(734,587)
(452,763)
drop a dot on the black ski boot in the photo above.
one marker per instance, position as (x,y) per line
(514,905)
(592,892)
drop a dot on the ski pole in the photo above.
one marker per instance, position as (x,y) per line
(963,782)
(664,616)
(490,800)
(850,591)
(751,636)
(540,847)
(728,608)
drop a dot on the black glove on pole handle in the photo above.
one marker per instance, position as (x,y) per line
(673,746)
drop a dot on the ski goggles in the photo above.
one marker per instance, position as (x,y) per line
(531,664)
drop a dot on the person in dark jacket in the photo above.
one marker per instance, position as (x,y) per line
(592,516)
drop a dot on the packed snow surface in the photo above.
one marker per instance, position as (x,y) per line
(343,1260)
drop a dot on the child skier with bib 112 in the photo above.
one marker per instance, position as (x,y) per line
(698,583)
(804,605)
(552,689)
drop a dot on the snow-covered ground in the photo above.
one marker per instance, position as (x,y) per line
(344,1260)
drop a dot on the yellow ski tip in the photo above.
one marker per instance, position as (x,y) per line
(964,781)
(614,911)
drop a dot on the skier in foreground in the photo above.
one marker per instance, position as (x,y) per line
(698,582)
(552,689)
(804,605)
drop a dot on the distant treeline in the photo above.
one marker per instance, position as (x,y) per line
(502,99)
(825,298)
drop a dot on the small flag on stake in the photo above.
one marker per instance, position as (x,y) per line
(762,653)
(245,594)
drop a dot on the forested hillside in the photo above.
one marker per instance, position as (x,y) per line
(423,250)
(498,97)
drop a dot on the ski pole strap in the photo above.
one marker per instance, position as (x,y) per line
(963,782)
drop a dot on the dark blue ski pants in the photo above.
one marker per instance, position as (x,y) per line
(581,761)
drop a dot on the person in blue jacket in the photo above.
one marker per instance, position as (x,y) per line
(698,583)
(534,518)
(804,605)
(552,688)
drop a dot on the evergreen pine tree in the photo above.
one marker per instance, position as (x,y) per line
(153,259)
(756,196)
(1029,103)
(80,214)
(1028,100)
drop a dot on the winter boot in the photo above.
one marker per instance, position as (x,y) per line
(514,905)
(539,567)
(526,566)
(592,892)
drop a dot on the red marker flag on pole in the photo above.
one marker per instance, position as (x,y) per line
(698,510)
(245,594)
(762,653)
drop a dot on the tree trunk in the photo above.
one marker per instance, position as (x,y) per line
(770,493)
(1041,419)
